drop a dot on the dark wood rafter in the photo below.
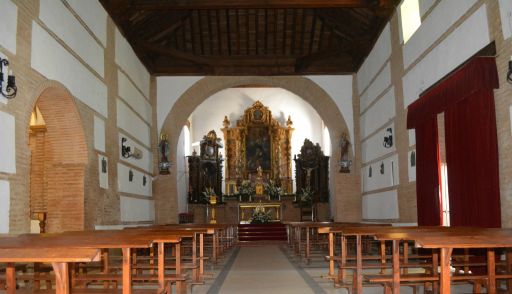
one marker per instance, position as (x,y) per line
(228,29)
(247,4)
(267,37)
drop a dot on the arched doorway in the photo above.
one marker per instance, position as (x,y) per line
(345,185)
(58,160)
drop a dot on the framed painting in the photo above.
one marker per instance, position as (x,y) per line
(257,149)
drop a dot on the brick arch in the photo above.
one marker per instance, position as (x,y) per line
(206,87)
(64,157)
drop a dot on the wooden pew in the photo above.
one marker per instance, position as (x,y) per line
(492,239)
(59,257)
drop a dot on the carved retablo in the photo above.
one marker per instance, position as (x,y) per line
(258,149)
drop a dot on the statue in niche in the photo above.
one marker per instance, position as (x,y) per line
(344,162)
(164,151)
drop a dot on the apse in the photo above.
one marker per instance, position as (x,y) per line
(232,102)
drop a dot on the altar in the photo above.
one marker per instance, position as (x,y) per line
(247,210)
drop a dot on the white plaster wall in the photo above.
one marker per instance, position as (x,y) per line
(93,15)
(375,60)
(382,205)
(131,95)
(182,174)
(133,124)
(412,137)
(54,62)
(381,113)
(339,89)
(137,210)
(8,143)
(232,102)
(145,163)
(130,63)
(411,169)
(373,148)
(375,89)
(390,177)
(425,5)
(168,90)
(136,185)
(506,18)
(59,20)
(464,42)
(8,27)
(5,204)
(99,134)
(444,15)
(103,176)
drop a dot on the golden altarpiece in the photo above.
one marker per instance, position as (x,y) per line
(258,149)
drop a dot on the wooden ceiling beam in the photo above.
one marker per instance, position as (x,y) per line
(247,4)
(306,61)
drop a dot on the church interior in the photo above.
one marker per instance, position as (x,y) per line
(281,146)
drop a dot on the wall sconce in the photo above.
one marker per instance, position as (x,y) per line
(388,140)
(509,73)
(126,151)
(130,176)
(382,168)
(10,89)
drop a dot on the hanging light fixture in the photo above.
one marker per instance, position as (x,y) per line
(6,75)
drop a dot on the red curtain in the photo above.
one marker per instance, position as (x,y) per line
(472,158)
(427,176)
(467,99)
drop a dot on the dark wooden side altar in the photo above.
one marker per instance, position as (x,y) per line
(312,169)
(258,141)
(205,169)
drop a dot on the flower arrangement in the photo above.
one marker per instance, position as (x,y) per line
(209,195)
(273,190)
(246,190)
(259,216)
(307,195)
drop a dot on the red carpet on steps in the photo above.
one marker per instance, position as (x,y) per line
(261,232)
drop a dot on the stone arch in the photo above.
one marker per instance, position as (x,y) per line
(204,88)
(60,157)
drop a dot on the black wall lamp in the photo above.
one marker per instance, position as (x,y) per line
(388,140)
(509,73)
(10,89)
(126,151)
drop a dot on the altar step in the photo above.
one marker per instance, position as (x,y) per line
(262,232)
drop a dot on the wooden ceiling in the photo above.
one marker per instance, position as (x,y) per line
(251,37)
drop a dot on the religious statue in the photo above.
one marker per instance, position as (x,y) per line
(344,162)
(163,152)
(259,181)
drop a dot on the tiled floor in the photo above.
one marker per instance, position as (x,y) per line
(271,268)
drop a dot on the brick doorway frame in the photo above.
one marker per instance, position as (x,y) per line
(64,158)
